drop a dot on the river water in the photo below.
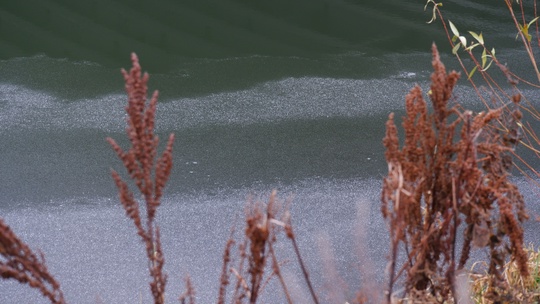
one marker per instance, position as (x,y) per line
(286,95)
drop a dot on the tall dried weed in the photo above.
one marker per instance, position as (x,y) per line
(264,221)
(452,169)
(149,175)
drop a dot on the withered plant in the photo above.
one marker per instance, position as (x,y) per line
(149,175)
(451,169)
(20,263)
(263,223)
(255,252)
(188,297)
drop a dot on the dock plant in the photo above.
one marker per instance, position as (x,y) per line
(450,172)
(476,54)
(150,175)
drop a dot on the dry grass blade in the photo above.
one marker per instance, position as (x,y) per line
(520,289)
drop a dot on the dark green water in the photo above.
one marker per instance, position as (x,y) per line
(167,32)
(279,94)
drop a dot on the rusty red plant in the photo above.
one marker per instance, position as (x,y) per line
(149,175)
(20,263)
(263,224)
(452,169)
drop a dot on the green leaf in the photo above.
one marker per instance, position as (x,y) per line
(433,17)
(472,72)
(471,47)
(463,40)
(485,69)
(478,38)
(427,3)
(435,5)
(532,21)
(453,28)
(456,48)
(525,30)
(484,58)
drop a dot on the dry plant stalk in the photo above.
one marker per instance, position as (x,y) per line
(224,278)
(440,179)
(149,175)
(290,234)
(18,262)
(263,223)
(258,233)
(189,296)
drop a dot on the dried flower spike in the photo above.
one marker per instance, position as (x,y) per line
(149,175)
(18,262)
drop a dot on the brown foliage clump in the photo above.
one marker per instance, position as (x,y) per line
(150,175)
(452,169)
(255,252)
(263,223)
(20,263)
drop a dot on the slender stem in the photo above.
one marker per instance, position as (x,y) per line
(278,273)
(452,267)
(392,271)
(525,42)
(302,266)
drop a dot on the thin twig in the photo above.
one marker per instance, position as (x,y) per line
(290,235)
